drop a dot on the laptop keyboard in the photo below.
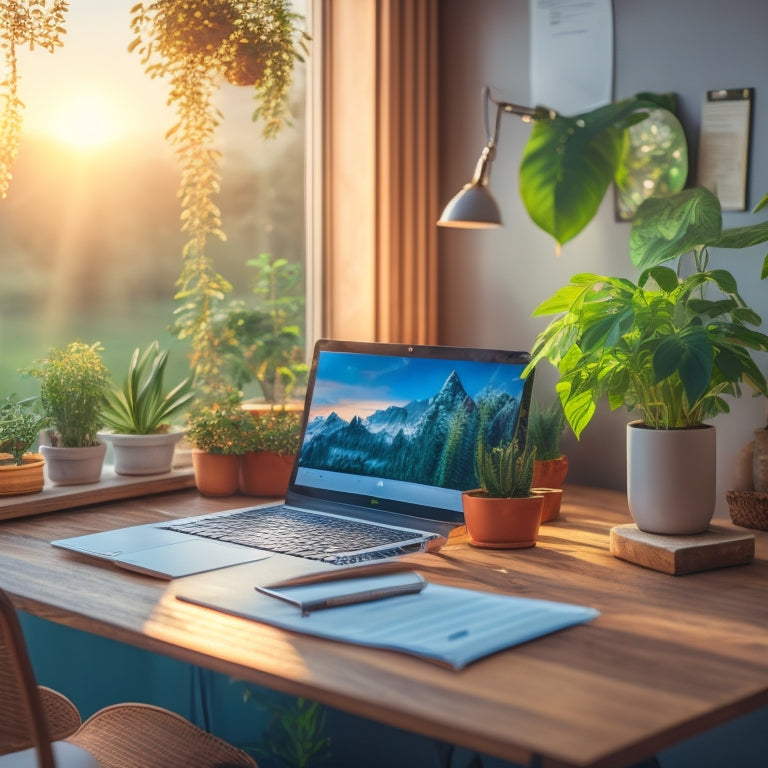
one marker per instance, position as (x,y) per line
(290,531)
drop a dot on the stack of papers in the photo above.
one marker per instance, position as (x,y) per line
(448,625)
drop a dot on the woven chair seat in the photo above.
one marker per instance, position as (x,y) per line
(41,728)
(144,736)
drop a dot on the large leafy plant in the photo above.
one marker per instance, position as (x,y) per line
(670,345)
(569,162)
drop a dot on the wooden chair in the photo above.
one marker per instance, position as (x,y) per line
(41,728)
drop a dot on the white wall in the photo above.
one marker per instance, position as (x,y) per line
(490,281)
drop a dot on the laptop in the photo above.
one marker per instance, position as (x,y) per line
(387,446)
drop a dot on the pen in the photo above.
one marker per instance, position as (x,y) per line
(364,596)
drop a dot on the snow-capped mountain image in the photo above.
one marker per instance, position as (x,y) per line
(428,440)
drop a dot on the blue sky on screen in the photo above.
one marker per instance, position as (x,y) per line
(353,383)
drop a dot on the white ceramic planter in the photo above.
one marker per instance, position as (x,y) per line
(671,478)
(143,454)
(74,466)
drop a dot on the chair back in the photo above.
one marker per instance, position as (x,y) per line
(22,719)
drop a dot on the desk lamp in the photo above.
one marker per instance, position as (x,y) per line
(474,207)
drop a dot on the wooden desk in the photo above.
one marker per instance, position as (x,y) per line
(668,658)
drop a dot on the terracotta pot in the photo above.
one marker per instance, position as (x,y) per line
(671,478)
(550,473)
(553,498)
(263,473)
(28,477)
(143,454)
(74,466)
(502,523)
(760,461)
(216,474)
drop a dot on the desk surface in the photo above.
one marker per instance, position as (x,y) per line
(668,657)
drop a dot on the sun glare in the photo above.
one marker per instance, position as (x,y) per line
(87,122)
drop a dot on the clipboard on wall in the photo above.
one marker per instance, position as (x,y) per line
(724,145)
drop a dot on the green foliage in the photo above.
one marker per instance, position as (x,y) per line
(545,428)
(73,385)
(267,344)
(197,44)
(569,162)
(506,470)
(661,345)
(31,23)
(142,406)
(222,429)
(294,737)
(277,431)
(19,426)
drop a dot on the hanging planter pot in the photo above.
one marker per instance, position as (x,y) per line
(671,478)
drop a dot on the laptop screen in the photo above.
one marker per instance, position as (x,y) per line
(395,425)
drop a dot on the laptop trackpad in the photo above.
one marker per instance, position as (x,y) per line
(185,558)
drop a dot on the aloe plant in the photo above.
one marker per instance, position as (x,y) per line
(142,406)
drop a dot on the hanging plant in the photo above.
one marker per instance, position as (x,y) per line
(33,23)
(197,45)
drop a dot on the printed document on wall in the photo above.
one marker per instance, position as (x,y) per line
(571,54)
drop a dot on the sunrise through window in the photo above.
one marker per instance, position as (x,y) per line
(90,232)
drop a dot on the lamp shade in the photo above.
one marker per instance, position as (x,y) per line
(472,208)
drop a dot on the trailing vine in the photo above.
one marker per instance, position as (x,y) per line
(196,45)
(22,22)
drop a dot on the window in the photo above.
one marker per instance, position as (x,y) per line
(90,236)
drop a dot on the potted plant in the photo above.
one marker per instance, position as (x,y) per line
(545,431)
(138,415)
(265,469)
(219,434)
(503,513)
(267,346)
(20,471)
(197,45)
(73,384)
(662,345)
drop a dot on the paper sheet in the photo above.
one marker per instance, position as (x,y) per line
(449,625)
(571,54)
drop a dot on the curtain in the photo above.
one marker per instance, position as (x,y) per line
(378,194)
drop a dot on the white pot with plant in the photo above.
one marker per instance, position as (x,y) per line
(664,346)
(73,383)
(139,415)
(20,471)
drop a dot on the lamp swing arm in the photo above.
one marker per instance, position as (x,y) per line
(527,114)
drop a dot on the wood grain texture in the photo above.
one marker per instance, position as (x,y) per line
(666,659)
(110,488)
(678,555)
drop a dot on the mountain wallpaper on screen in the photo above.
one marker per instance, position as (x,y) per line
(430,441)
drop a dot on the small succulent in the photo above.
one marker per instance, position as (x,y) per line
(506,470)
